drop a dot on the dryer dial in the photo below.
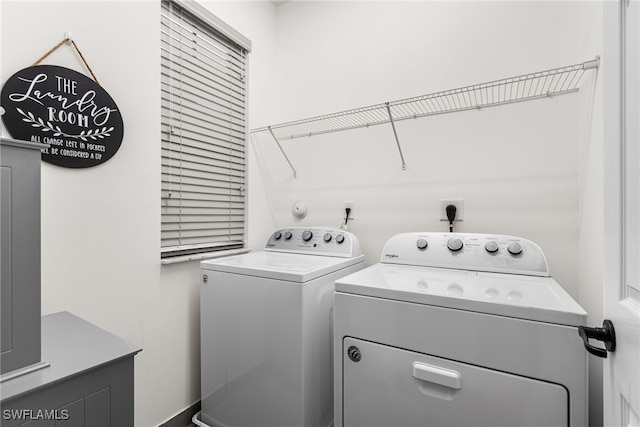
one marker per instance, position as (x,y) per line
(454,244)
(340,238)
(287,235)
(327,237)
(307,235)
(422,244)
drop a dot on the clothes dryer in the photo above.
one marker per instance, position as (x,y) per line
(458,330)
(267,330)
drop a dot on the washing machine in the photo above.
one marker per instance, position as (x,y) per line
(458,330)
(267,330)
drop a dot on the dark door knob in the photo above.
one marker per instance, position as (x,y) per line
(606,334)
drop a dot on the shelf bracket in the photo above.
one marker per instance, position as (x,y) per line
(295,175)
(395,133)
(595,63)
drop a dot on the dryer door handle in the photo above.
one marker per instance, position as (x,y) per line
(437,375)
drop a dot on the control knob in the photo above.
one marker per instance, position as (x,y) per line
(307,235)
(491,246)
(340,238)
(514,248)
(327,237)
(277,235)
(454,244)
(422,244)
(287,235)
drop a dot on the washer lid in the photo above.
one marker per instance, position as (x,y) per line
(280,266)
(511,295)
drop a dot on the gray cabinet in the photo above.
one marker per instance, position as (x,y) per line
(57,370)
(89,382)
(20,254)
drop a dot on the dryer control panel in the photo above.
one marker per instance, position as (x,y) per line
(314,241)
(467,251)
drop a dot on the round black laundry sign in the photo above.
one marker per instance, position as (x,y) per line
(65,109)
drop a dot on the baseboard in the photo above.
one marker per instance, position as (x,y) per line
(183,419)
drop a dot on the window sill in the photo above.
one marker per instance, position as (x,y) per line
(203,256)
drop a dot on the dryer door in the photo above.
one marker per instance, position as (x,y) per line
(384,386)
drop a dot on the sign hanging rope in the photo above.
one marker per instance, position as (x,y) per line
(53,49)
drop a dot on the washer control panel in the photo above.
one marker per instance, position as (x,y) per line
(314,241)
(467,251)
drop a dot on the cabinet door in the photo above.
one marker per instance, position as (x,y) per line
(384,386)
(20,265)
(6,285)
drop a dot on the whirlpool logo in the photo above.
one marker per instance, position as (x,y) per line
(391,256)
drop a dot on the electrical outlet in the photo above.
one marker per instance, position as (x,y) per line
(348,204)
(458,203)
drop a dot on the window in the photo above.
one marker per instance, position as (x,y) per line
(203,131)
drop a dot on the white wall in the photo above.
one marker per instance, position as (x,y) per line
(101,226)
(589,20)
(515,166)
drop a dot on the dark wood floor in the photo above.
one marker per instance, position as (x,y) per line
(183,419)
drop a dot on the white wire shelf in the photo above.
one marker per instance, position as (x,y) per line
(526,87)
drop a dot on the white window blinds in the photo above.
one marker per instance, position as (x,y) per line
(203,135)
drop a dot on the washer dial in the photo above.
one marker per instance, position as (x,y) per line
(514,248)
(491,246)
